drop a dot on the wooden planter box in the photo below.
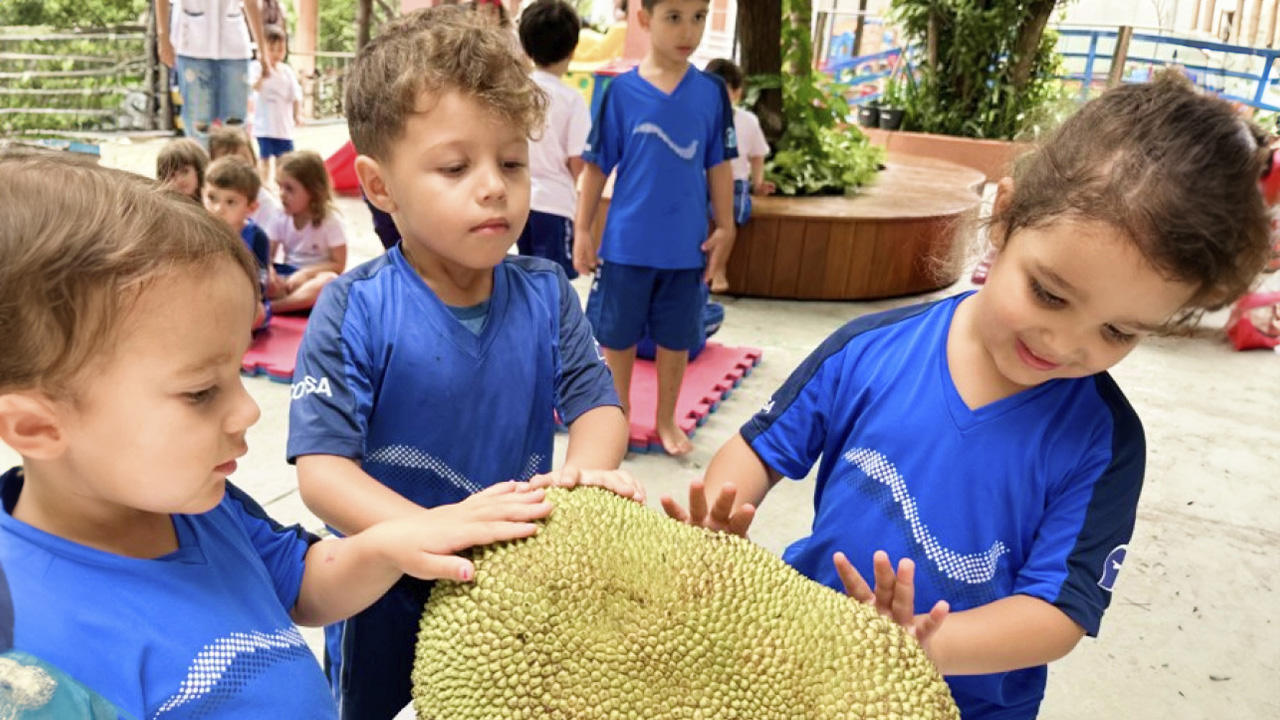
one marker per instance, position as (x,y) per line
(993,158)
(903,234)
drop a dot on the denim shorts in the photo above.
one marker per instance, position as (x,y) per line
(212,90)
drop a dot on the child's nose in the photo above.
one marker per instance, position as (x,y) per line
(492,184)
(245,411)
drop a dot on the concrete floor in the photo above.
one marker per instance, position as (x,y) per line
(1190,633)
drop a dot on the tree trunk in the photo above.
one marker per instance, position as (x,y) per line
(1028,44)
(364,23)
(760,34)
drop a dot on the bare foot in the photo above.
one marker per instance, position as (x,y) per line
(720,284)
(674,441)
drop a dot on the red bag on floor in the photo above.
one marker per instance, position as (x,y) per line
(1255,322)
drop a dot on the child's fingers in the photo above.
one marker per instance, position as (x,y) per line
(904,596)
(722,510)
(430,566)
(929,623)
(697,502)
(741,520)
(854,586)
(884,581)
(568,477)
(501,488)
(673,509)
(485,532)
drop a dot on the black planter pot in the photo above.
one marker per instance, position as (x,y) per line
(868,116)
(890,118)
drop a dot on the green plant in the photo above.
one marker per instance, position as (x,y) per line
(982,68)
(817,154)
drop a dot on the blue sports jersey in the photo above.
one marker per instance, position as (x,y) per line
(255,238)
(389,376)
(1035,494)
(203,632)
(662,146)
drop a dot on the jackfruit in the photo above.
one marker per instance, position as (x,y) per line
(614,611)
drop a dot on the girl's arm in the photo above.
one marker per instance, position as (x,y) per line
(576,166)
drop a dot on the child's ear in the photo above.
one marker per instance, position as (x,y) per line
(645,19)
(1004,199)
(31,426)
(253,206)
(373,181)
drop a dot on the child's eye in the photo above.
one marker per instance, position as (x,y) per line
(200,397)
(453,169)
(513,164)
(1045,297)
(1117,335)
(699,17)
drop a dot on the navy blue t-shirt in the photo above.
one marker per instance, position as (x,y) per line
(388,375)
(1035,494)
(662,146)
(203,632)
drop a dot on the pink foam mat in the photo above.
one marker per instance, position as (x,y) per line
(708,381)
(274,351)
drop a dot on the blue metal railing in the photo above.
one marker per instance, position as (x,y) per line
(1231,77)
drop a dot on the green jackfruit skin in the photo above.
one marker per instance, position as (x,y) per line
(615,612)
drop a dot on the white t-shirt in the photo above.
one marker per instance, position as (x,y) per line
(308,245)
(565,136)
(751,142)
(273,102)
(268,210)
(210,29)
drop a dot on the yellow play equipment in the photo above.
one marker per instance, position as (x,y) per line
(594,51)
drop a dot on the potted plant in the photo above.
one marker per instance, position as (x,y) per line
(817,153)
(979,80)
(891,106)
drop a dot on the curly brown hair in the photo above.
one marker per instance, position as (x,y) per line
(431,52)
(78,245)
(1175,170)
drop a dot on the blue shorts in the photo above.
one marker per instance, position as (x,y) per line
(741,203)
(273,147)
(625,299)
(285,269)
(551,237)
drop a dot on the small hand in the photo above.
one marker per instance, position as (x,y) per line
(164,47)
(267,64)
(720,241)
(721,516)
(618,482)
(423,544)
(766,188)
(585,260)
(894,595)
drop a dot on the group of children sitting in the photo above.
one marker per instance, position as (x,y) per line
(298,239)
(978,439)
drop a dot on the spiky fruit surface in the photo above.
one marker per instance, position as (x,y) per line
(613,612)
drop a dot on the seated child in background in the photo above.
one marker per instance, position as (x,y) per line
(127,561)
(277,103)
(748,167)
(980,438)
(180,167)
(234,140)
(309,230)
(229,193)
(549,33)
(437,369)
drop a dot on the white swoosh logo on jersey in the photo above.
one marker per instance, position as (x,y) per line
(209,666)
(684,153)
(974,568)
(411,457)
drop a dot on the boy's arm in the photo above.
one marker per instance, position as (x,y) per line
(345,497)
(598,439)
(585,249)
(720,244)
